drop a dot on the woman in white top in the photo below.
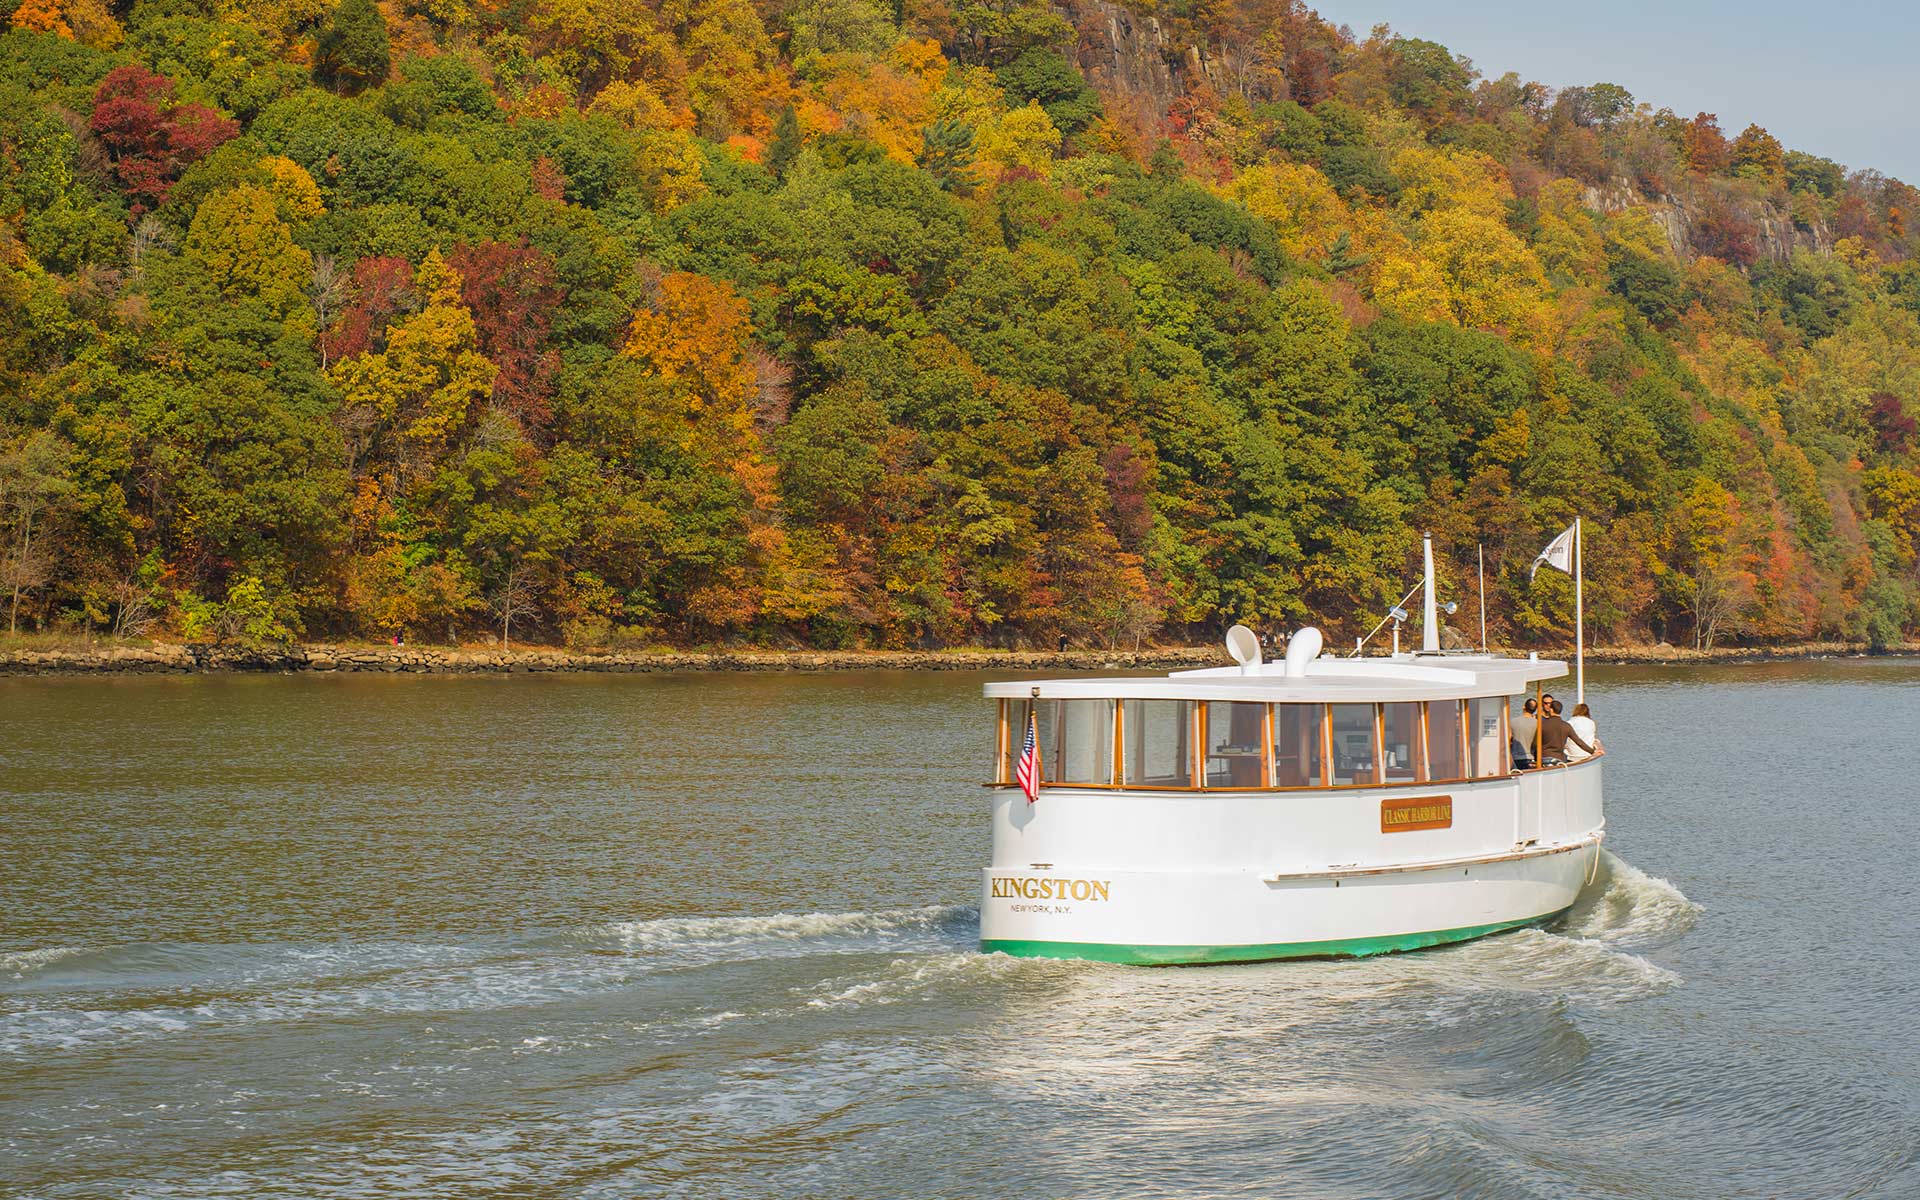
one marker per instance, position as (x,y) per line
(1582,722)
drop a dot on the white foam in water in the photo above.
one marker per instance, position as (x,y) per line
(1583,969)
(290,983)
(904,978)
(1627,905)
(670,933)
(21,963)
(1585,957)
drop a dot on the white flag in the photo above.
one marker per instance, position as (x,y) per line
(1559,553)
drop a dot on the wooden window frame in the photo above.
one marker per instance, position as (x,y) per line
(1323,750)
(1203,714)
(1000,746)
(1462,712)
(1269,747)
(1326,747)
(1120,781)
(1380,746)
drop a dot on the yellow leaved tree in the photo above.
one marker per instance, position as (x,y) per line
(695,342)
(880,101)
(248,252)
(1024,138)
(669,158)
(1461,262)
(88,22)
(428,381)
(1569,240)
(42,16)
(1305,210)
(296,196)
(696,338)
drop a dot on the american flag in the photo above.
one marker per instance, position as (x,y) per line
(1027,771)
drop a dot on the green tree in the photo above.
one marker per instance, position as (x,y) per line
(946,153)
(786,144)
(1041,75)
(1428,80)
(34,478)
(352,52)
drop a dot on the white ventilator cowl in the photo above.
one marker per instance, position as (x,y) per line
(1245,649)
(1302,649)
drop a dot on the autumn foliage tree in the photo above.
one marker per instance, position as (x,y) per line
(150,137)
(838,323)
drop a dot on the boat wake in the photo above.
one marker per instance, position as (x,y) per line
(1626,906)
(78,998)
(89,998)
(855,930)
(1593,953)
(23,963)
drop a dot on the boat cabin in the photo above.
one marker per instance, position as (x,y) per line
(1304,724)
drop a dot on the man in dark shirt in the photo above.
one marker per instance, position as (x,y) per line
(1555,733)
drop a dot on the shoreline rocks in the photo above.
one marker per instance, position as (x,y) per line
(164,658)
(172,658)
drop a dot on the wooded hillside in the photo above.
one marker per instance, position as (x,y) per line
(615,322)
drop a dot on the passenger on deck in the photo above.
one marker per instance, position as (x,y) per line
(1555,733)
(1523,727)
(1582,723)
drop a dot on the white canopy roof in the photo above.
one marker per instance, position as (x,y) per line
(1327,680)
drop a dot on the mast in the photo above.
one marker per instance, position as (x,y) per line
(1481,549)
(1430,611)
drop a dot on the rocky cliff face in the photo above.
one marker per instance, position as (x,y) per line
(1142,67)
(1139,64)
(1776,236)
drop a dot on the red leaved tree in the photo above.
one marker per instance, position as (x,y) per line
(381,288)
(513,290)
(1706,147)
(150,138)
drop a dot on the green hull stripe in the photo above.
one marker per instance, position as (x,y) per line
(1162,956)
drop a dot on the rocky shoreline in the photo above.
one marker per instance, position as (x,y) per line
(175,658)
(166,658)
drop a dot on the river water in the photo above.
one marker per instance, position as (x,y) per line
(713,936)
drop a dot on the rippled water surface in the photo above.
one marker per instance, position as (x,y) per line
(712,936)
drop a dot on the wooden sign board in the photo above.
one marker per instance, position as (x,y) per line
(1402,815)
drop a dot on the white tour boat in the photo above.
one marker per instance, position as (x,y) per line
(1308,807)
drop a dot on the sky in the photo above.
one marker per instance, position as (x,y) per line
(1836,78)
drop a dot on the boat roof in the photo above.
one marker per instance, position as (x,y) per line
(1327,680)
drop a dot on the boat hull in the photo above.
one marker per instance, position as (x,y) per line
(1123,879)
(1172,956)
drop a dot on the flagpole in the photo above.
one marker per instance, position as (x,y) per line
(1579,624)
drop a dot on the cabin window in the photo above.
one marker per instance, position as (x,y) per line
(1400,727)
(1076,741)
(1356,740)
(1297,742)
(1158,743)
(1485,740)
(1014,715)
(1236,744)
(1446,752)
